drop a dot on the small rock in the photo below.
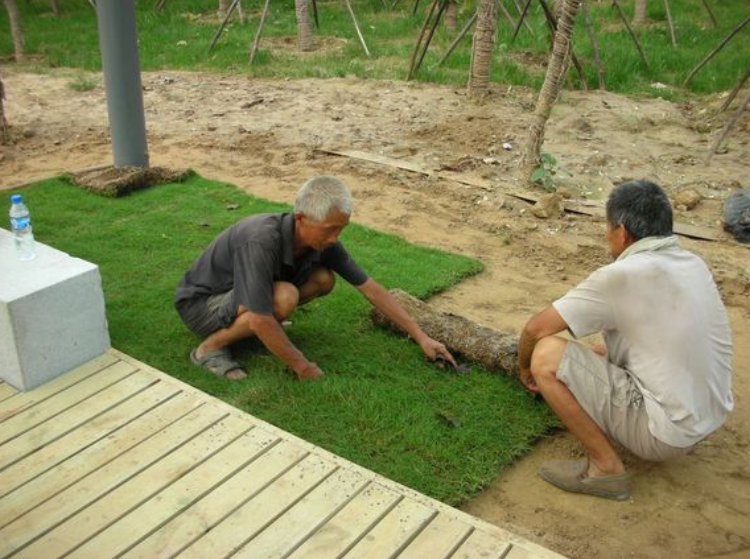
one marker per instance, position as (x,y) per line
(688,198)
(549,206)
(232,206)
(507,146)
(182,43)
(598,159)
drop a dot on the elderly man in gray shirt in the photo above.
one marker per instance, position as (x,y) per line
(259,270)
(662,381)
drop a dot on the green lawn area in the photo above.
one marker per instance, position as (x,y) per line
(380,405)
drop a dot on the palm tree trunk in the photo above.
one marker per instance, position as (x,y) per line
(482,47)
(640,12)
(451,15)
(15,28)
(223,8)
(4,134)
(304,32)
(551,87)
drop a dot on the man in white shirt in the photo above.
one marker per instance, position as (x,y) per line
(662,381)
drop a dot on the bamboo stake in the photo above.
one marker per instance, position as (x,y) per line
(632,33)
(415,7)
(523,18)
(736,90)
(427,42)
(718,47)
(553,29)
(413,61)
(454,44)
(315,13)
(710,13)
(241,12)
(671,24)
(520,13)
(256,40)
(506,13)
(232,6)
(356,26)
(594,44)
(729,126)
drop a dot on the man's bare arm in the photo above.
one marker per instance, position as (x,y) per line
(270,332)
(390,307)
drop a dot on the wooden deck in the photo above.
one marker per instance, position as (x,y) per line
(116,459)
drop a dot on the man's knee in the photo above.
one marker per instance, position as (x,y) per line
(324,280)
(285,299)
(546,358)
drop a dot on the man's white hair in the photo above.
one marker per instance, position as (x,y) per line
(321,194)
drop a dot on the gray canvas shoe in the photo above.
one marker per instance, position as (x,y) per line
(570,475)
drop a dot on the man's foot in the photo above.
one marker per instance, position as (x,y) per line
(218,362)
(571,475)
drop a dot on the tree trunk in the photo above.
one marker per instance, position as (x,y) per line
(15,28)
(4,134)
(492,349)
(451,15)
(223,8)
(482,47)
(551,87)
(304,32)
(640,12)
(55,7)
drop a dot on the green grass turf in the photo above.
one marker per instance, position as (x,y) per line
(178,38)
(380,405)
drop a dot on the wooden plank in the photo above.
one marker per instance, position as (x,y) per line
(29,417)
(439,539)
(88,521)
(252,518)
(202,517)
(517,552)
(481,545)
(392,534)
(6,391)
(63,423)
(289,531)
(23,400)
(87,434)
(347,526)
(161,508)
(100,482)
(54,481)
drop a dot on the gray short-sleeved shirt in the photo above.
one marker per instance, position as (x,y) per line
(254,253)
(664,323)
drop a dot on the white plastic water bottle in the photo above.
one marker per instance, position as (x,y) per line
(20,225)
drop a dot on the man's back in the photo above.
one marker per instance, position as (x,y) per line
(671,332)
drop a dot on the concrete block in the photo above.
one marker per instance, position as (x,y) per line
(52,315)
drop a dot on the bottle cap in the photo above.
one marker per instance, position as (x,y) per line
(15,199)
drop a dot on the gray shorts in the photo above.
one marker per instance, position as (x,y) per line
(611,398)
(206,315)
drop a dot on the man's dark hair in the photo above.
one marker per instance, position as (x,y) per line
(642,207)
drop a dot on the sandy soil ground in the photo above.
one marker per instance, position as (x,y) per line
(263,136)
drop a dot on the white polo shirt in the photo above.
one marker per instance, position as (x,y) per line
(663,321)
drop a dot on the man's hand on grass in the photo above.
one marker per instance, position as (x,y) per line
(434,350)
(309,371)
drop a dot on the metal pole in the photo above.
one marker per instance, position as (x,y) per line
(122,79)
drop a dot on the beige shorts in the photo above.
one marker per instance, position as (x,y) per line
(610,397)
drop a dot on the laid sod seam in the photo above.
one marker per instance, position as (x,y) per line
(380,405)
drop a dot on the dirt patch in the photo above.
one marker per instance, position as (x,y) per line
(694,507)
